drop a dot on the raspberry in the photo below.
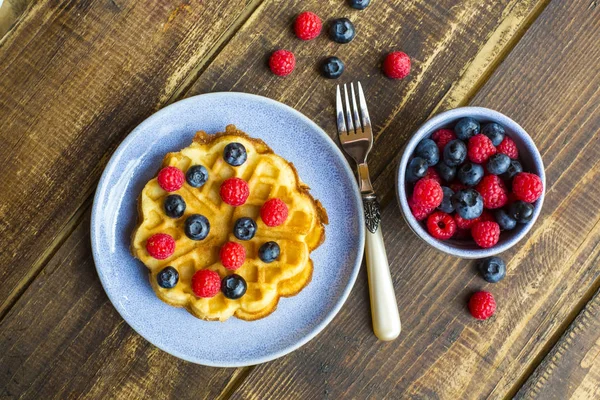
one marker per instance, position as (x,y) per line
(486,234)
(527,187)
(467,224)
(482,305)
(493,191)
(234,191)
(274,212)
(206,283)
(480,148)
(396,65)
(427,193)
(160,246)
(442,137)
(419,212)
(457,186)
(232,255)
(433,174)
(170,179)
(307,25)
(508,147)
(441,225)
(282,62)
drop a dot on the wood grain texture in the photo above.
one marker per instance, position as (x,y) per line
(81,75)
(443,352)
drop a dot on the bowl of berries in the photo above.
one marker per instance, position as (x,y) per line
(471,182)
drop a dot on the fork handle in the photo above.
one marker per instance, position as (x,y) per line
(384,308)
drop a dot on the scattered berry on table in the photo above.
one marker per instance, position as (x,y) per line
(233,286)
(527,187)
(432,174)
(417,169)
(396,65)
(498,164)
(482,305)
(521,211)
(441,225)
(470,174)
(174,206)
(466,127)
(342,30)
(428,193)
(167,278)
(235,154)
(455,153)
(359,4)
(418,211)
(486,233)
(446,205)
(468,203)
(505,221)
(244,228)
(493,191)
(170,179)
(234,191)
(428,150)
(513,169)
(232,255)
(196,176)
(480,148)
(196,227)
(206,283)
(274,212)
(442,137)
(269,252)
(307,25)
(446,173)
(160,246)
(494,131)
(332,68)
(282,62)
(508,147)
(492,269)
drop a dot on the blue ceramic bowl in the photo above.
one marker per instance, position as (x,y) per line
(529,156)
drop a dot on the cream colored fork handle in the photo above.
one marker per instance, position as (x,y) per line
(384,309)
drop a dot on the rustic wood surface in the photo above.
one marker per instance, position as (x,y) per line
(534,60)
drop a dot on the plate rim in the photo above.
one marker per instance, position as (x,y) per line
(355,194)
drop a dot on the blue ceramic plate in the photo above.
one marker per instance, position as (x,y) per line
(297,319)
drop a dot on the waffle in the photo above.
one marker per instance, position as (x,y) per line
(268,175)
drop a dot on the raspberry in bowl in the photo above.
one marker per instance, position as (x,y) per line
(471,182)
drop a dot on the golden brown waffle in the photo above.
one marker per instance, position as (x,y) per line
(268,176)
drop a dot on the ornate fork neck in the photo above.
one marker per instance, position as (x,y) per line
(364,181)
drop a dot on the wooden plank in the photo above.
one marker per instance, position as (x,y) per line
(443,352)
(81,75)
(10,12)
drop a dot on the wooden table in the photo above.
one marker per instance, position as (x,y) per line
(78,75)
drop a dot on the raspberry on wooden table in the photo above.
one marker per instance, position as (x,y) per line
(482,305)
(206,283)
(396,65)
(527,187)
(170,179)
(282,62)
(307,25)
(160,246)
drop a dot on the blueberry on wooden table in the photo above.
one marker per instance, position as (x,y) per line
(342,30)
(332,68)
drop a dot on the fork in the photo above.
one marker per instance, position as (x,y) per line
(356,138)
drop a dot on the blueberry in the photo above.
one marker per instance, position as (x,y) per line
(428,150)
(470,174)
(468,203)
(235,154)
(167,278)
(359,4)
(174,206)
(233,286)
(446,173)
(493,269)
(498,164)
(466,127)
(417,168)
(455,153)
(505,221)
(332,68)
(520,211)
(244,228)
(342,30)
(446,205)
(197,227)
(513,169)
(196,176)
(494,131)
(269,252)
